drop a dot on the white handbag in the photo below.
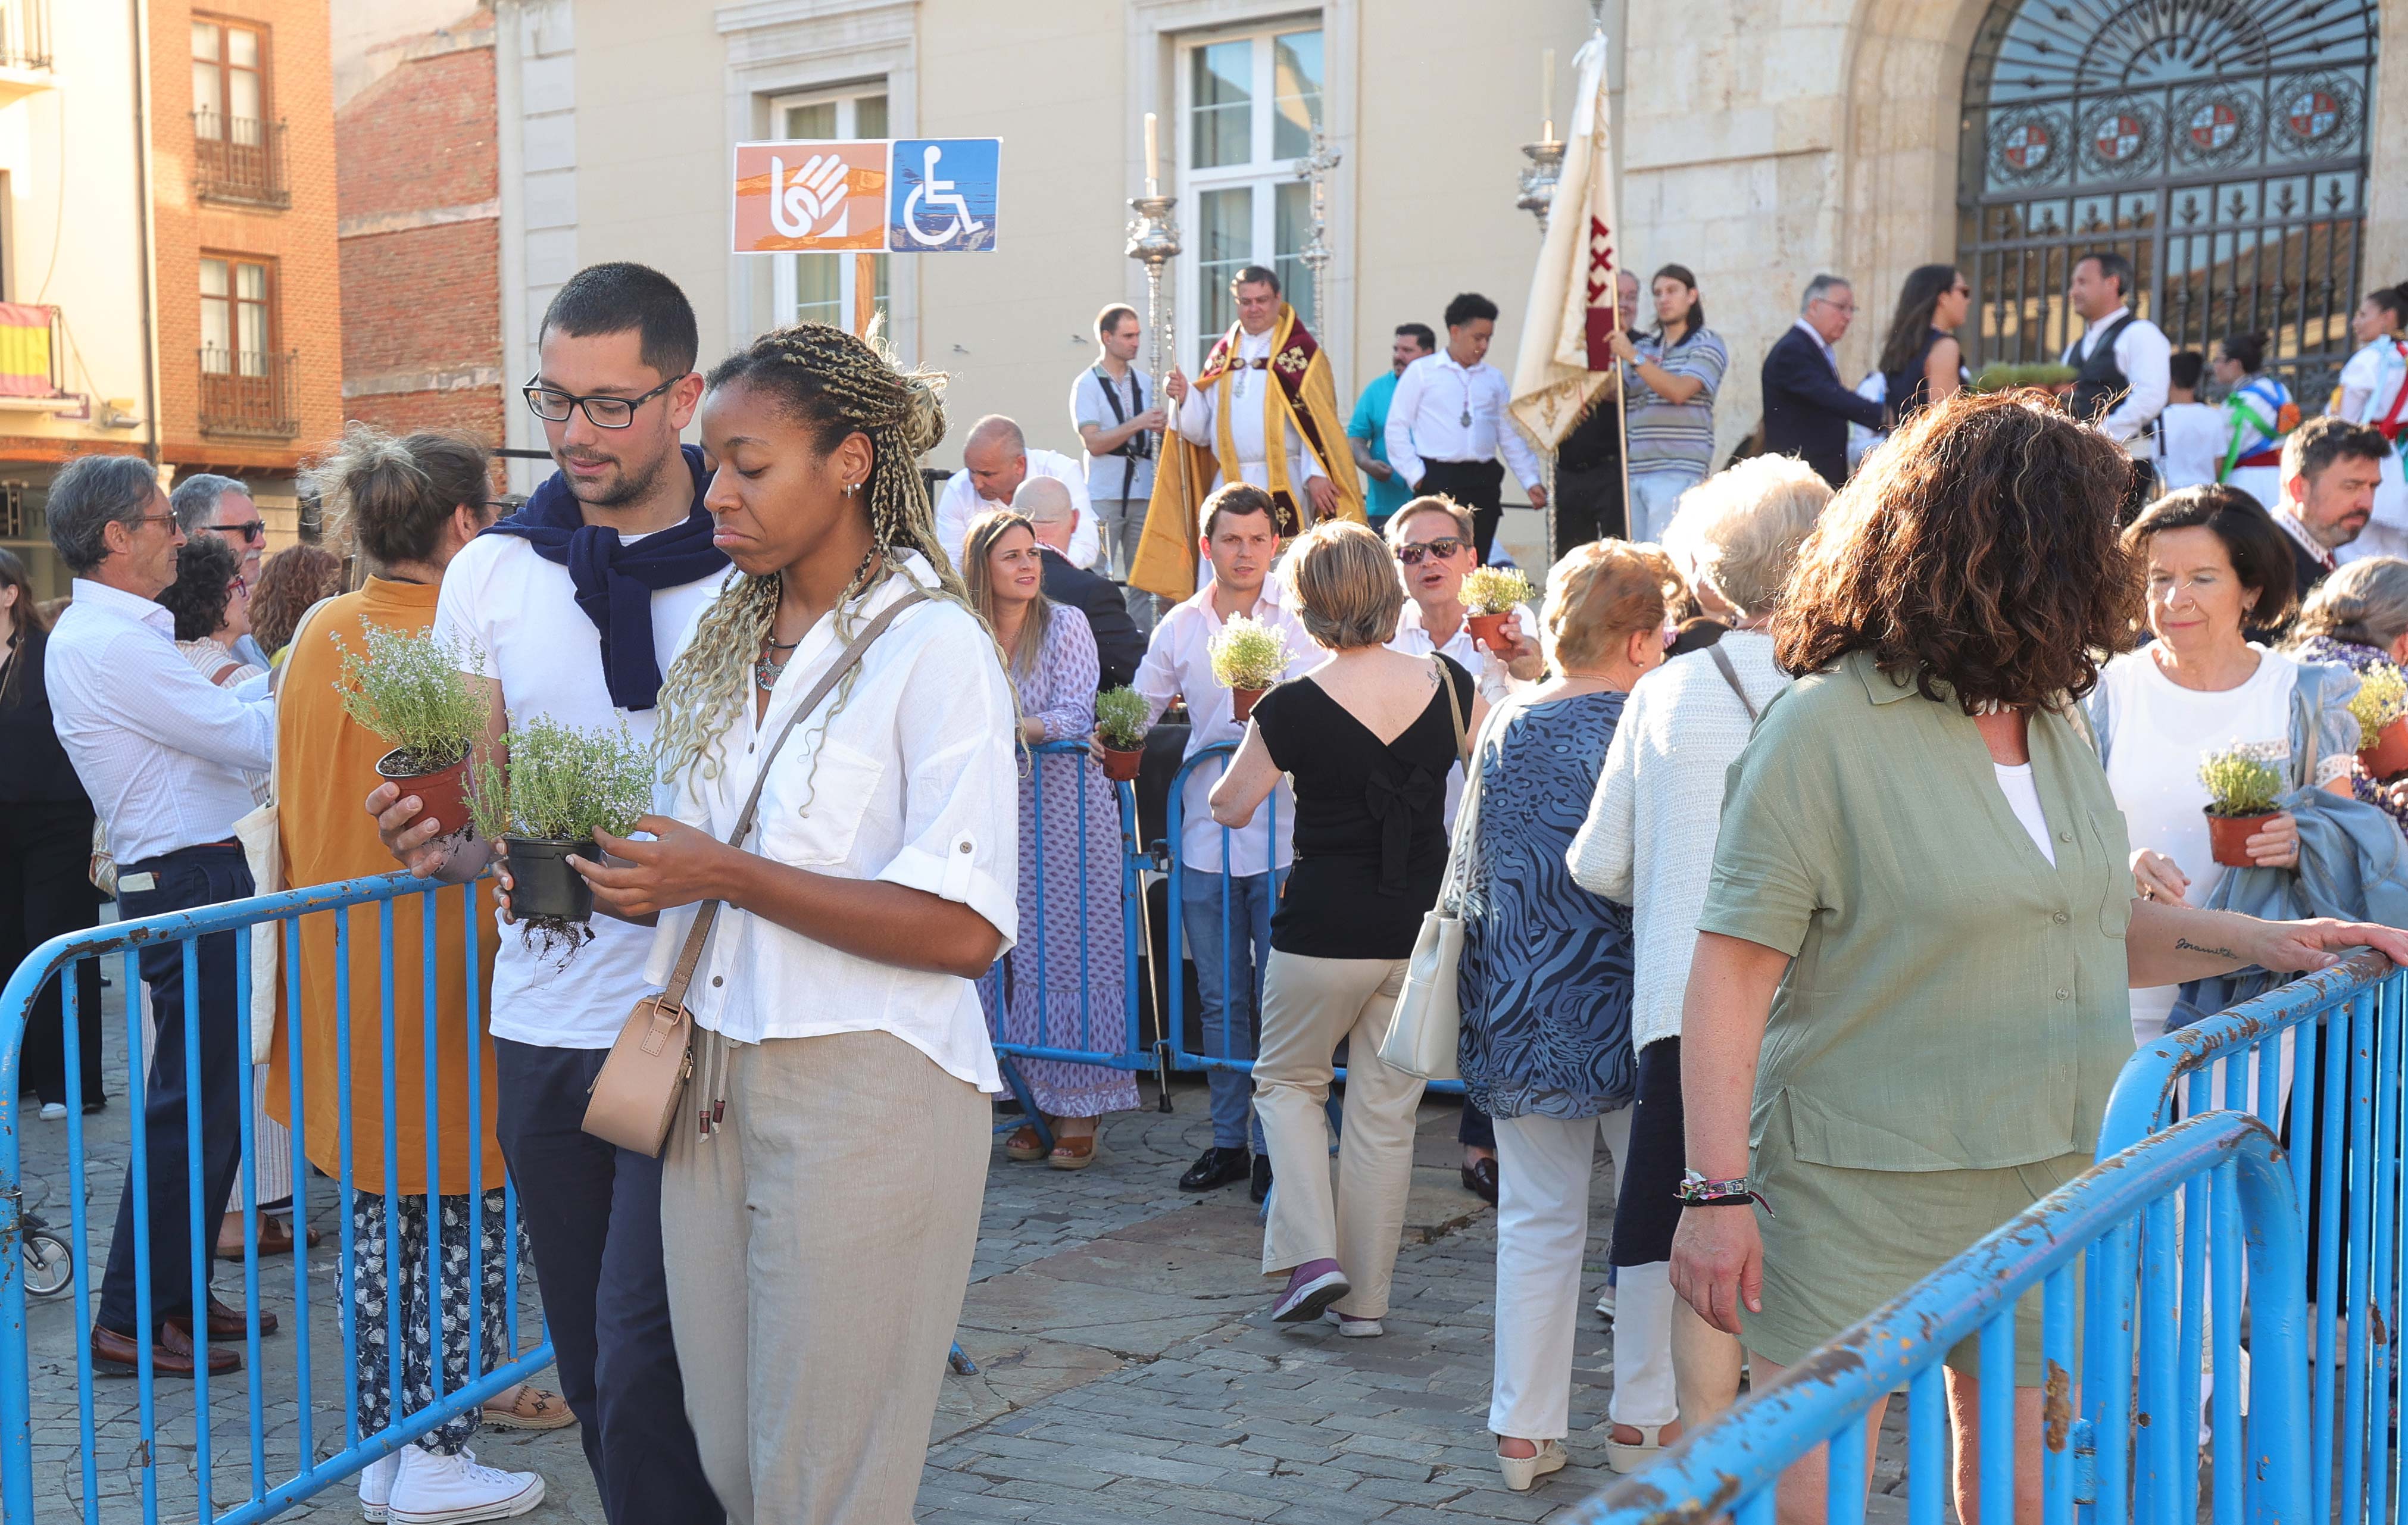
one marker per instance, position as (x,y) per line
(1428,1017)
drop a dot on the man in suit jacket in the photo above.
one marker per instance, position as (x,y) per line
(1807,407)
(1119,644)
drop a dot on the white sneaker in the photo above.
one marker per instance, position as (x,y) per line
(432,1489)
(375,1486)
(53,1111)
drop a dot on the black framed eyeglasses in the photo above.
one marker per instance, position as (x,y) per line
(553,406)
(1411,554)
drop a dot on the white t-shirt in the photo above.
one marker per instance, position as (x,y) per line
(2023,797)
(520,611)
(2162,730)
(2191,438)
(1112,475)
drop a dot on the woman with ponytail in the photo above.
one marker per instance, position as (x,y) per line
(819,1197)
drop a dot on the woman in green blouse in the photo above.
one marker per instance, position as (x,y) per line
(1909,1004)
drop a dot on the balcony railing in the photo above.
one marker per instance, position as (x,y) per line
(24,34)
(249,393)
(238,159)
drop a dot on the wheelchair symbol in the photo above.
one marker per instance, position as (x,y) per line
(933,194)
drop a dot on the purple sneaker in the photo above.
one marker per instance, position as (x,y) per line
(1311,1289)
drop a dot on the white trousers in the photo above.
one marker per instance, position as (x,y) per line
(1544,1166)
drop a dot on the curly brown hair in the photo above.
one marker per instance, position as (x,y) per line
(1977,550)
(291,580)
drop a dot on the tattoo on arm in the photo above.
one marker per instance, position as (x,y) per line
(2184,945)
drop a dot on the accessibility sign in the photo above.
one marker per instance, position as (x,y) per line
(920,195)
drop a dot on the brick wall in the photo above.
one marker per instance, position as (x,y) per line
(417,175)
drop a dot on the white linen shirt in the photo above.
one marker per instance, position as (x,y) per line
(1489,671)
(960,503)
(1425,420)
(908,779)
(162,751)
(2144,355)
(1178,661)
(1194,419)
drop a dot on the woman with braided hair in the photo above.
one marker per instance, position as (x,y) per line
(819,1197)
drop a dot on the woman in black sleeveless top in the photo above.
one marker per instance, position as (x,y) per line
(1921,363)
(1367,736)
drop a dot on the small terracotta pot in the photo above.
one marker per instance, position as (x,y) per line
(543,884)
(2388,756)
(2227,837)
(1488,630)
(1121,763)
(443,794)
(1242,703)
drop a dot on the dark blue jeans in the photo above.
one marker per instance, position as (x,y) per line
(181,881)
(593,1215)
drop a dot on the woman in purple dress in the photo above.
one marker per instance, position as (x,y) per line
(1062,987)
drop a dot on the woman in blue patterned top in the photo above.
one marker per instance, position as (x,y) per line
(1545,986)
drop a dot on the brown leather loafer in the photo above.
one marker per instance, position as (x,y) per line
(171,1357)
(225,1324)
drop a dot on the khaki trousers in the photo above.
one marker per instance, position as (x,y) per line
(1309,1007)
(818,1247)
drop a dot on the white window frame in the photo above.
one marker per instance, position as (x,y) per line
(786,285)
(1261,174)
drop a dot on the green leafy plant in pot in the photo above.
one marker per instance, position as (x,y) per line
(1121,726)
(414,691)
(1247,658)
(2381,706)
(1490,596)
(560,786)
(2242,784)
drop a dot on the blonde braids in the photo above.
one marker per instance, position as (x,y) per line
(839,385)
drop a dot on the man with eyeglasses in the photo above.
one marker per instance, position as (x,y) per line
(1807,404)
(208,504)
(574,606)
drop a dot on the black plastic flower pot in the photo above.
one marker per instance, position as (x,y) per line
(544,886)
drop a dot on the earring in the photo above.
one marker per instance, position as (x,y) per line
(850,488)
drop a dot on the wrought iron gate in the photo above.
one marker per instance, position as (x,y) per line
(2221,145)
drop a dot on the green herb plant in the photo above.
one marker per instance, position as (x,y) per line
(2382,698)
(2240,782)
(1496,590)
(1247,654)
(1120,717)
(414,691)
(562,784)
(2005,375)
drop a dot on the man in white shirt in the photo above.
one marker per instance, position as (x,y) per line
(208,504)
(1447,424)
(1240,537)
(574,606)
(2373,392)
(2120,362)
(162,752)
(996,460)
(1117,420)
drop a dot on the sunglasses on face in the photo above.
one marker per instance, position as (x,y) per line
(1442,548)
(255,529)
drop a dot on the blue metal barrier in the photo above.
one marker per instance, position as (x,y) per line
(2339,1032)
(2100,1446)
(300,1468)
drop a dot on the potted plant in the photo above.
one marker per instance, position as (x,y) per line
(561,785)
(414,692)
(1248,657)
(1121,726)
(1490,593)
(2242,788)
(2381,706)
(2010,376)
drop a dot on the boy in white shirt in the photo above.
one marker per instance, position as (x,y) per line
(2190,434)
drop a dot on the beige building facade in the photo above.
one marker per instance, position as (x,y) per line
(1759,142)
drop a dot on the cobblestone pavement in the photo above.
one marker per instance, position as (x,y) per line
(1128,1368)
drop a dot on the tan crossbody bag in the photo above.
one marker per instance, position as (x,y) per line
(635,1097)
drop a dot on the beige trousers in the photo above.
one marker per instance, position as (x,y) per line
(1308,1005)
(818,1248)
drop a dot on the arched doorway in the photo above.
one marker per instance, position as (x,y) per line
(2220,144)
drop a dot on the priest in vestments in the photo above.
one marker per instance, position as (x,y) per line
(1265,380)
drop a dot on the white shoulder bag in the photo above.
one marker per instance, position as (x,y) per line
(1421,1035)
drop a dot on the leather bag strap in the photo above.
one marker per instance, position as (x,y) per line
(1730,675)
(1454,713)
(690,957)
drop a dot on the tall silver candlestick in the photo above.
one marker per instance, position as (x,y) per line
(1539,179)
(1154,241)
(1313,169)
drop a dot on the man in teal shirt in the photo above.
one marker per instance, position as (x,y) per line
(1366,434)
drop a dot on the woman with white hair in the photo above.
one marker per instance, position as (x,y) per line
(2358,618)
(1649,842)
